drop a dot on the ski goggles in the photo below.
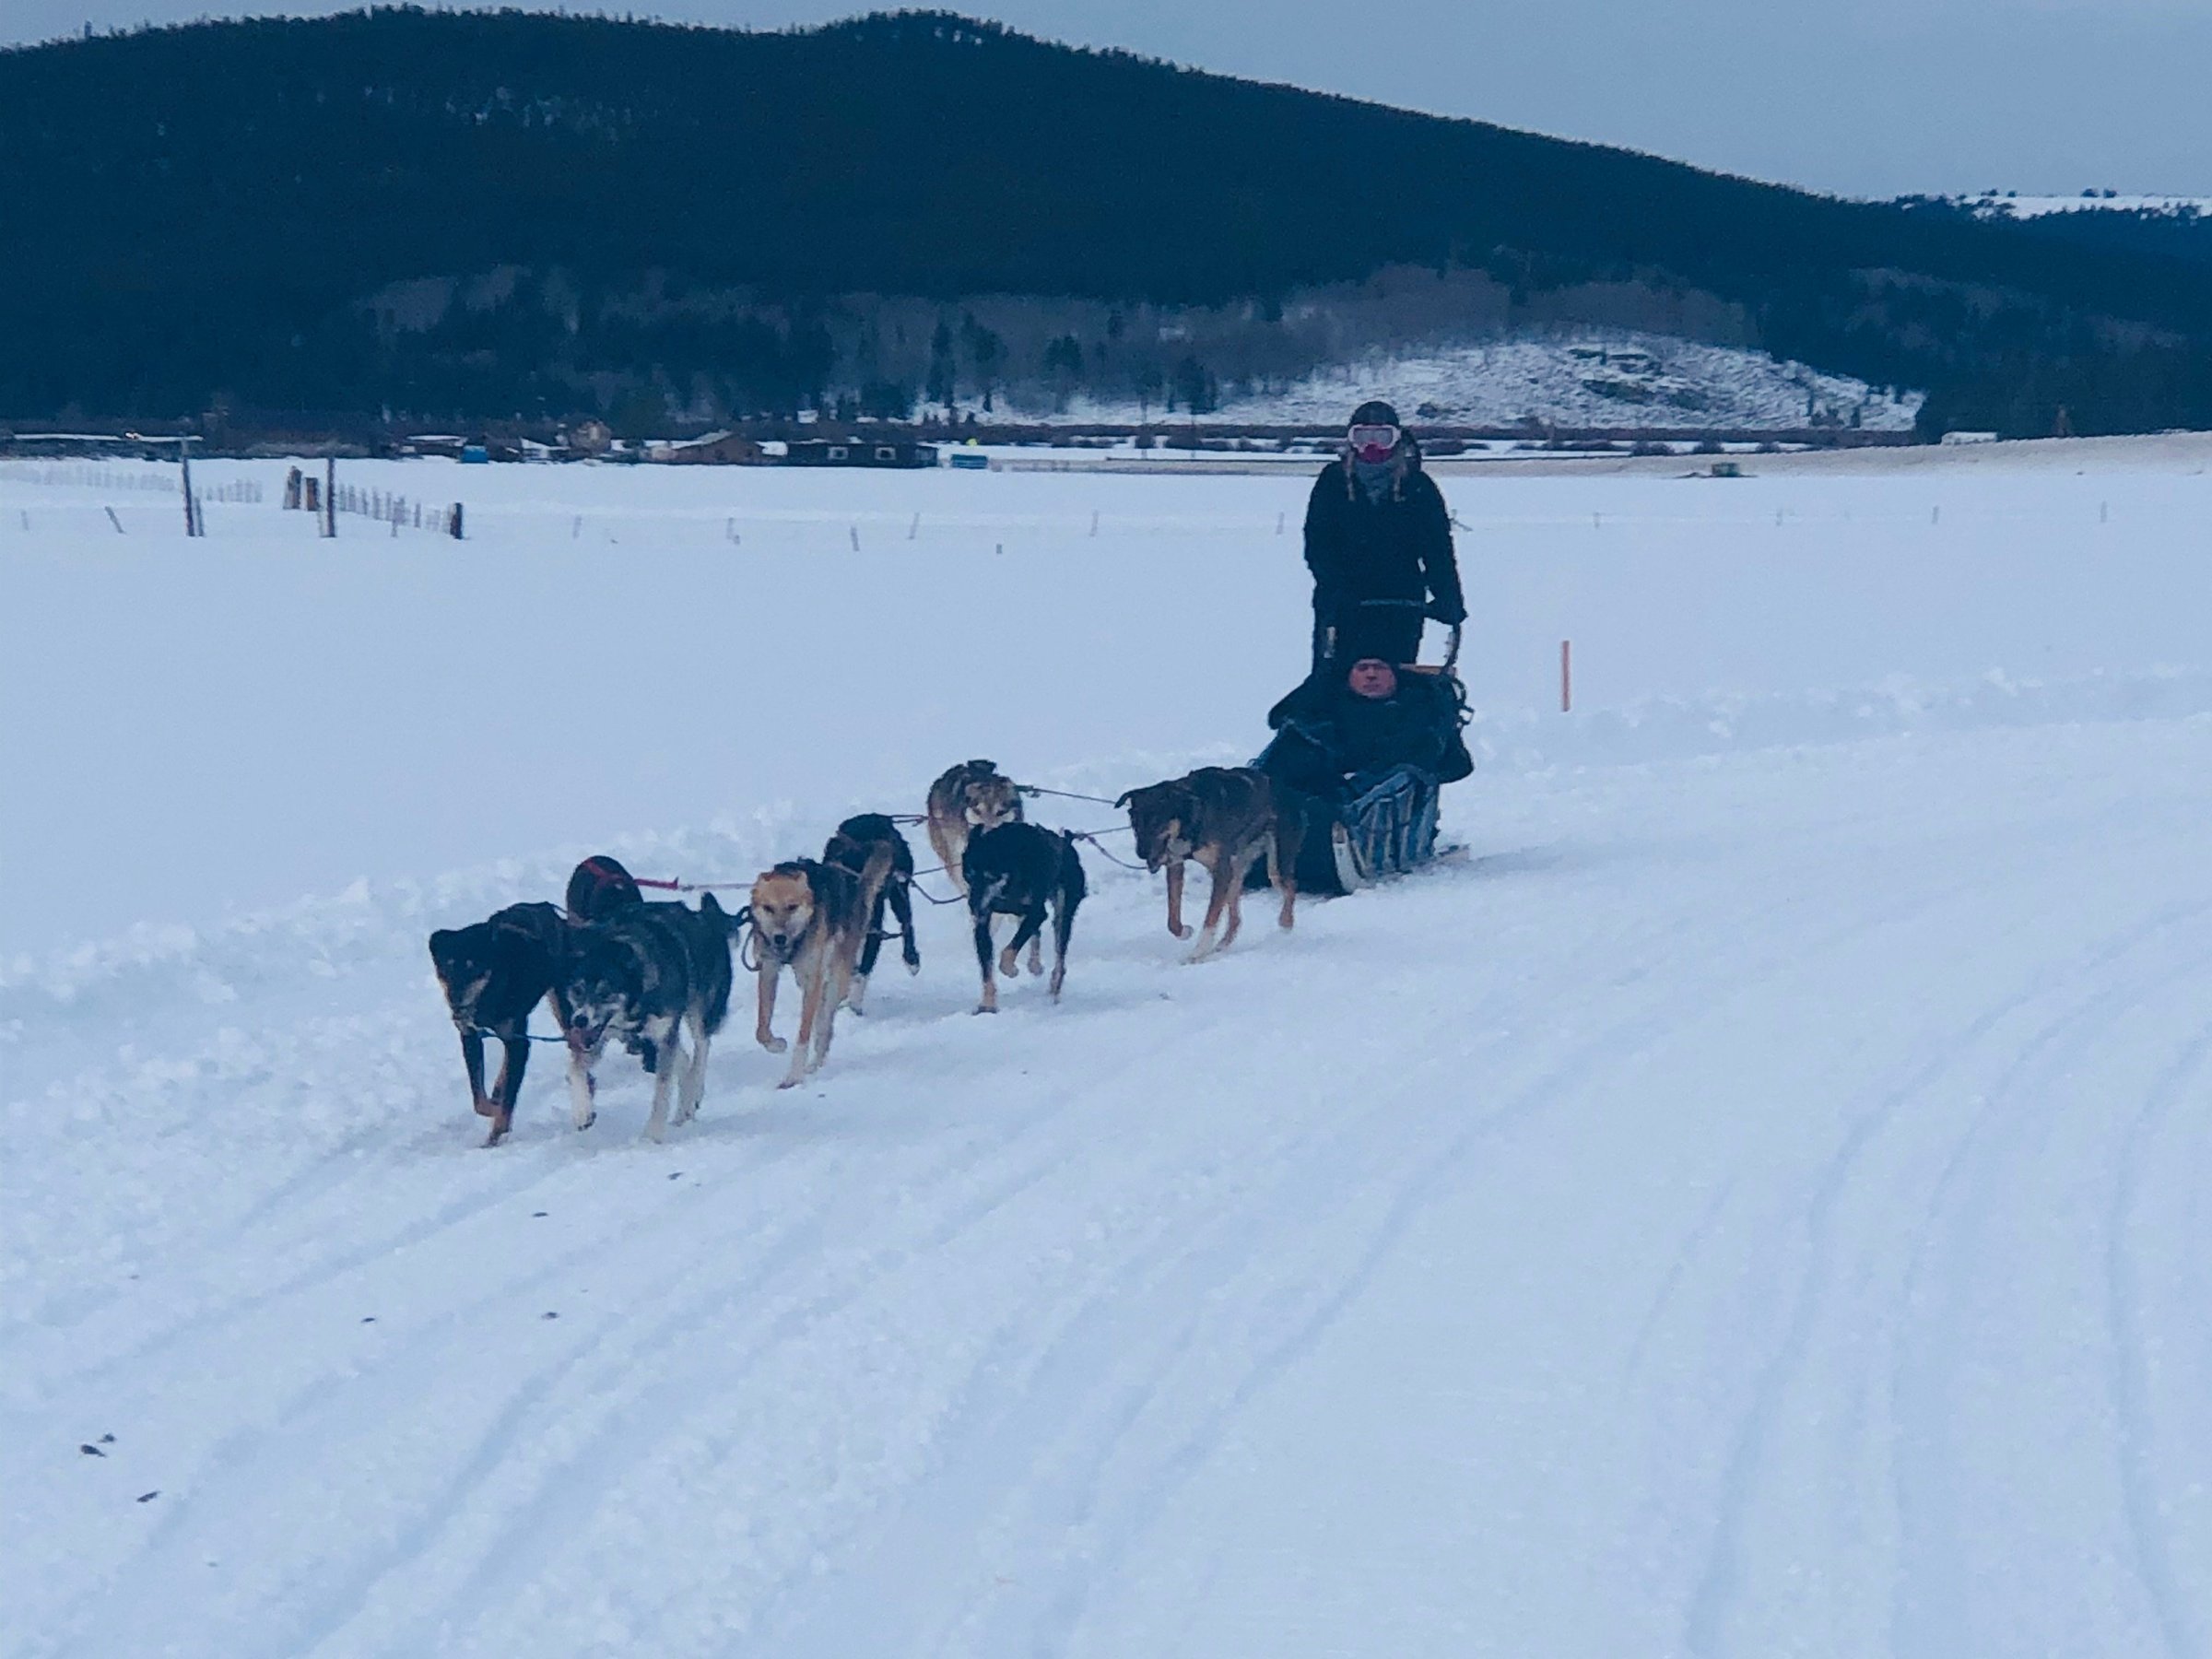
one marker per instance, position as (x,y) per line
(1372,443)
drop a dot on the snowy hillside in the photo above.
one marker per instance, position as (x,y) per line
(1591,380)
(1753,1205)
(1996,206)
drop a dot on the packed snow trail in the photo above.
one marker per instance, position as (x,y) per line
(1755,1205)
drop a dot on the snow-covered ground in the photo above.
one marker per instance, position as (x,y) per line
(1755,1204)
(1595,379)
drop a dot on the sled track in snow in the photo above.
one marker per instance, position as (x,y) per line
(1703,1164)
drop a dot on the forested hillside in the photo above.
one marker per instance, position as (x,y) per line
(480,214)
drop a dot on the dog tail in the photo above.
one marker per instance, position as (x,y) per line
(731,922)
(873,875)
(1077,887)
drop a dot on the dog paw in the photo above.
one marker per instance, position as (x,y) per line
(1182,933)
(791,1083)
(979,1009)
(913,964)
(587,1120)
(776,1045)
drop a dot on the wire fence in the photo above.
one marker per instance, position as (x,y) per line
(386,507)
(81,476)
(150,480)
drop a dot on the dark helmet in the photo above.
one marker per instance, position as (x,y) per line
(1374,412)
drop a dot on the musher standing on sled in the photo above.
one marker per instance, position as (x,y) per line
(1378,543)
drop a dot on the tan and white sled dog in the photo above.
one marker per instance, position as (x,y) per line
(813,919)
(1225,817)
(972,795)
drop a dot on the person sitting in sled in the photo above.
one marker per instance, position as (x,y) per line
(1369,747)
(1379,544)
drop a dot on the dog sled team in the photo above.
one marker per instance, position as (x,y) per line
(1344,791)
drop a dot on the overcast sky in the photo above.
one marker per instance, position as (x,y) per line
(1860,97)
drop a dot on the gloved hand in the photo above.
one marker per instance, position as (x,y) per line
(1451,616)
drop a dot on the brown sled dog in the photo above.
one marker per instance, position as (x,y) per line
(813,919)
(854,842)
(972,795)
(1225,817)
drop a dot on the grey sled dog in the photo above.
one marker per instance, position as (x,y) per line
(642,975)
(968,797)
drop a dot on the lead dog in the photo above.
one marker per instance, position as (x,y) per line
(1021,870)
(850,849)
(1225,817)
(811,918)
(972,795)
(493,973)
(643,975)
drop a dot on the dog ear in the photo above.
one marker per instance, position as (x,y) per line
(1123,799)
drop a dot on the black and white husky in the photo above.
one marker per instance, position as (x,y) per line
(641,975)
(1021,870)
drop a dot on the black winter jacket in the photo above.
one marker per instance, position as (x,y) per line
(1325,733)
(1398,548)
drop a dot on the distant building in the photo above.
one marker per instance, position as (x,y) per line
(860,451)
(716,449)
(589,438)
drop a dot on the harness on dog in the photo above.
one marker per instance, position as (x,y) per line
(526,1036)
(763,953)
(1099,846)
(748,939)
(915,886)
(1064,794)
